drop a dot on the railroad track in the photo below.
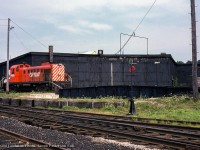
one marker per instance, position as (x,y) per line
(155,122)
(10,139)
(166,136)
(139,119)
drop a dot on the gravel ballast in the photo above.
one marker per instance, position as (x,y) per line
(66,140)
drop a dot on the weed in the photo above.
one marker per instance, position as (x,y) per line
(174,108)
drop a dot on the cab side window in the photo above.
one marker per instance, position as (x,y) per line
(17,69)
(12,71)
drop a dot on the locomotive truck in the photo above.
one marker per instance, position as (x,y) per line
(47,76)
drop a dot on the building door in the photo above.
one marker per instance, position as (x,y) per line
(47,75)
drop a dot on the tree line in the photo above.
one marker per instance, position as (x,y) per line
(188,62)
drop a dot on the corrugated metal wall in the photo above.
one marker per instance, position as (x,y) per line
(123,91)
(95,70)
(184,75)
(88,71)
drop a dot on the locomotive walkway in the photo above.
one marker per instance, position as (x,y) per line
(161,136)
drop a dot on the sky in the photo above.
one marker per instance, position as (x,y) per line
(89,25)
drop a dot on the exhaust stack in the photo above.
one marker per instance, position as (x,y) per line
(50,53)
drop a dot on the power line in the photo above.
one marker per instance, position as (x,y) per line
(145,15)
(30,35)
(137,26)
(17,37)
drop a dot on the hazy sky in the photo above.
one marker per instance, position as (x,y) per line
(84,25)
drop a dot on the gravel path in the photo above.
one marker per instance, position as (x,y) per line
(70,141)
(42,96)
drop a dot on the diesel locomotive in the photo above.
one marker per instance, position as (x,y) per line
(44,77)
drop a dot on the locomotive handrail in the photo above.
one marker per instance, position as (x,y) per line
(70,80)
(56,85)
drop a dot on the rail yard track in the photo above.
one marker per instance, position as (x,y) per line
(10,139)
(159,135)
(155,122)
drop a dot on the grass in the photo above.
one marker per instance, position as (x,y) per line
(173,108)
(100,99)
(169,108)
(12,95)
(85,99)
(111,110)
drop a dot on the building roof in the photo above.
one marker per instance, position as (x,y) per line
(162,55)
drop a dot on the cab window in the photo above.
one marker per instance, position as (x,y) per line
(12,71)
(17,69)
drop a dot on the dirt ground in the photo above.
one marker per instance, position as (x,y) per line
(42,96)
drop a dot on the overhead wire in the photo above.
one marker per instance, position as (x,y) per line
(17,37)
(30,35)
(137,27)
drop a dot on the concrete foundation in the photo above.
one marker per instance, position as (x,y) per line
(57,103)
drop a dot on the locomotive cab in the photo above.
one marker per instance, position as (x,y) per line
(16,72)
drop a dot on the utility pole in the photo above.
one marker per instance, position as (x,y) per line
(7,69)
(194,52)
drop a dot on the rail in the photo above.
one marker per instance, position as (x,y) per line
(174,136)
(24,139)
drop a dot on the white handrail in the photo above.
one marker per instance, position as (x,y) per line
(56,85)
(70,80)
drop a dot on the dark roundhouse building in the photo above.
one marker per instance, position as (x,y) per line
(88,70)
